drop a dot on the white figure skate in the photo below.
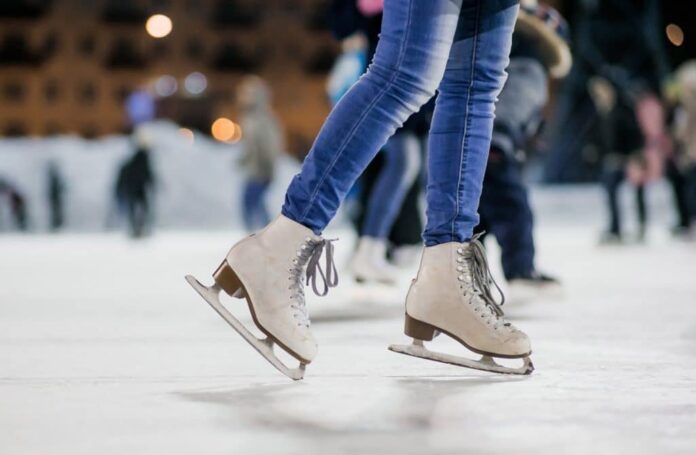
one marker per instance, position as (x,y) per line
(370,265)
(267,270)
(452,295)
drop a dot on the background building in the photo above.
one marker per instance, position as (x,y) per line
(67,66)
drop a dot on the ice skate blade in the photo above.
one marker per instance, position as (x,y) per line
(486,363)
(263,346)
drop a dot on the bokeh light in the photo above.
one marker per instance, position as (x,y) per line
(158,26)
(166,85)
(237,134)
(195,83)
(675,34)
(225,130)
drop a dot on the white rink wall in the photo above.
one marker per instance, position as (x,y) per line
(198,185)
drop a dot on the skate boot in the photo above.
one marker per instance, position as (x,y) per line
(370,262)
(268,270)
(452,295)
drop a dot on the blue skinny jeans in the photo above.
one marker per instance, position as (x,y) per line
(402,164)
(254,210)
(459,48)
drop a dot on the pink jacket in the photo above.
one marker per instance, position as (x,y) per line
(370,7)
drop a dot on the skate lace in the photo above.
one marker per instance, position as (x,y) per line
(481,280)
(309,254)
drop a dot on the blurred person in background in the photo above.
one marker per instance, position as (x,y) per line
(135,186)
(621,42)
(661,156)
(388,180)
(621,65)
(262,144)
(621,143)
(135,179)
(16,203)
(539,52)
(55,193)
(685,131)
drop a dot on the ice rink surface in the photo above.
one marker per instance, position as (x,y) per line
(105,349)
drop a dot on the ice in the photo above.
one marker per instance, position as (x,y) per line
(105,349)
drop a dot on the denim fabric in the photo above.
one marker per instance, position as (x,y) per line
(506,213)
(402,162)
(254,209)
(458,47)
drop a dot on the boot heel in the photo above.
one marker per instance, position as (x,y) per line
(228,280)
(418,330)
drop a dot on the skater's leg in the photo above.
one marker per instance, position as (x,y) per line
(138,217)
(252,205)
(463,120)
(132,217)
(405,237)
(265,216)
(642,210)
(505,206)
(248,205)
(401,166)
(408,65)
(408,226)
(270,268)
(399,170)
(612,183)
(453,291)
(679,188)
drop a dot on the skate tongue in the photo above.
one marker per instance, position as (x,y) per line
(330,278)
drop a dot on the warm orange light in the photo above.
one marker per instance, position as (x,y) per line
(158,26)
(237,134)
(224,129)
(675,34)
